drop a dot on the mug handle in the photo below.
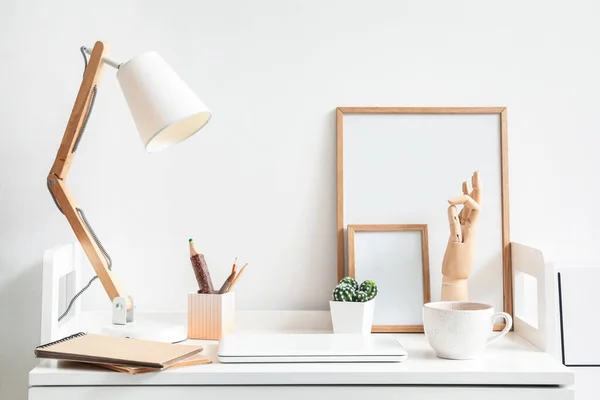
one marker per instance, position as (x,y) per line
(509,322)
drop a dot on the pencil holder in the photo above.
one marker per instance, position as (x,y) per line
(210,315)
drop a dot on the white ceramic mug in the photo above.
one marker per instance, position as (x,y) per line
(461,330)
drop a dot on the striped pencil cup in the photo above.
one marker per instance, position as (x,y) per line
(210,315)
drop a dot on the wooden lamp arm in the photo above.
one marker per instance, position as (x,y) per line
(91,78)
(67,204)
(60,170)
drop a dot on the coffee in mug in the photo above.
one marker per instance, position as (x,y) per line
(461,330)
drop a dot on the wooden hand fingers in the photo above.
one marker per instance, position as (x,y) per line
(455,228)
(473,209)
(464,213)
(465,187)
(466,200)
(476,182)
(462,222)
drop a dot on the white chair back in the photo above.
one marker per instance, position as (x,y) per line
(60,282)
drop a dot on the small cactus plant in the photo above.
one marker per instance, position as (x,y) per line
(344,292)
(350,281)
(370,288)
(348,290)
(361,296)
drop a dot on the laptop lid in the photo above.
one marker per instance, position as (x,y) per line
(281,347)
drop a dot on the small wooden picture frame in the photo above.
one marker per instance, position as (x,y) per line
(398,305)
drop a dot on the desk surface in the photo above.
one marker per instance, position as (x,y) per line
(510,361)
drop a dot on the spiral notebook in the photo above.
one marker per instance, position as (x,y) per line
(103,349)
(193,360)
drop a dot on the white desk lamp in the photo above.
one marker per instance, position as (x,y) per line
(166,112)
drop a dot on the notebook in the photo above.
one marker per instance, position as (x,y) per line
(193,360)
(102,349)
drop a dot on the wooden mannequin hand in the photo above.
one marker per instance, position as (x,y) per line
(458,258)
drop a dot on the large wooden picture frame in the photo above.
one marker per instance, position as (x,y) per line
(422,273)
(498,114)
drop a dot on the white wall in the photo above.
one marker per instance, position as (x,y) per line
(259,182)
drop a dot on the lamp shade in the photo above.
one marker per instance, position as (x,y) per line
(163,107)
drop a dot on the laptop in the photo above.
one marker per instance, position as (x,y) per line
(309,348)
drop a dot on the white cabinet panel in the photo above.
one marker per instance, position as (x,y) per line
(587,383)
(300,393)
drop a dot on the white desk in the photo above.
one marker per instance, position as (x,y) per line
(511,368)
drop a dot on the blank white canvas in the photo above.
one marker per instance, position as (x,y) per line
(394,261)
(402,169)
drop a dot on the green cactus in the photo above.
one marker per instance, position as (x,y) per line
(370,288)
(344,292)
(350,281)
(361,296)
(348,290)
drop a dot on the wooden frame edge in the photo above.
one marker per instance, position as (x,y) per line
(422,228)
(398,329)
(506,254)
(421,110)
(340,194)
(351,267)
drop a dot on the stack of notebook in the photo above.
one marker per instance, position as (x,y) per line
(122,354)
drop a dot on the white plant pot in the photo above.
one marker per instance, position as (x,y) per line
(351,317)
